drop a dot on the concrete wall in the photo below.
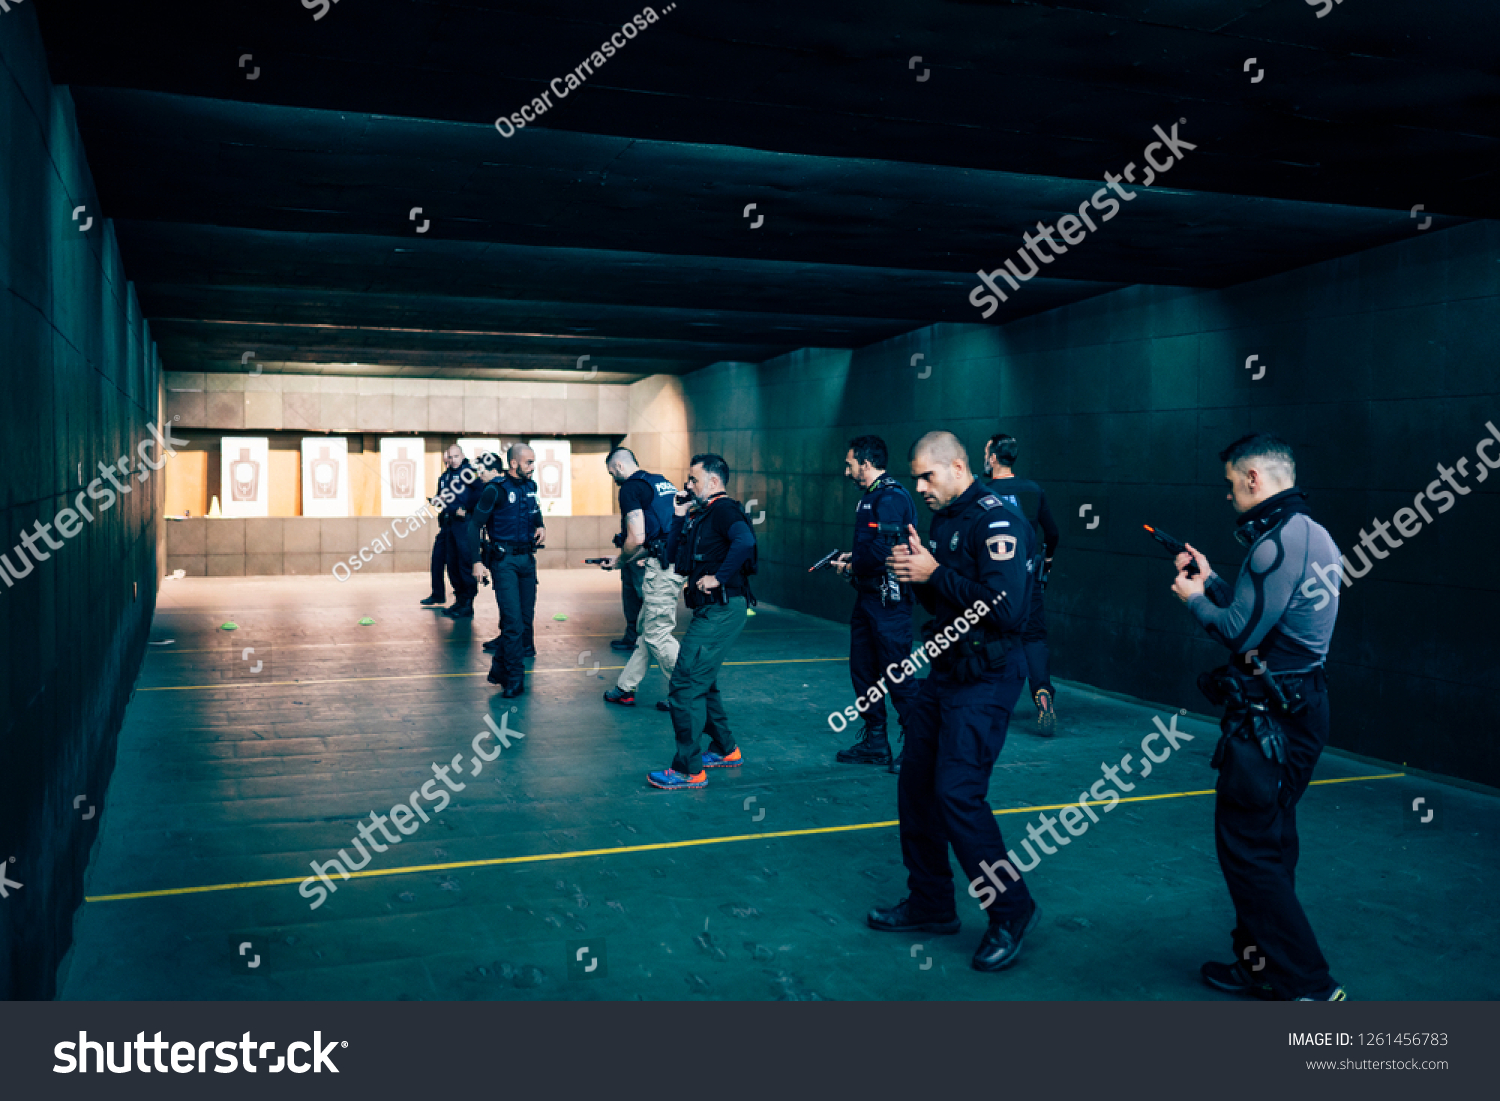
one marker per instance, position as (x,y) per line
(1379,366)
(81,380)
(331,403)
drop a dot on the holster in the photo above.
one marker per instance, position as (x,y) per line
(970,657)
(1251,753)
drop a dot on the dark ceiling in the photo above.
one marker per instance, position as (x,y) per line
(272,214)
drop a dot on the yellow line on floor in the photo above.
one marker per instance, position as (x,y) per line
(229,643)
(428,676)
(657,847)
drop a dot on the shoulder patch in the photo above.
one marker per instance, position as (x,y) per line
(1000,524)
(1002,548)
(989,500)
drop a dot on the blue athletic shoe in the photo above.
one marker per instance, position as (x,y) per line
(669,779)
(713,760)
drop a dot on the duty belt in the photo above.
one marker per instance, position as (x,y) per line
(518,548)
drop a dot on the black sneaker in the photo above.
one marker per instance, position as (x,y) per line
(1000,946)
(528,652)
(1046,713)
(872,749)
(903,918)
(435,599)
(620,696)
(493,645)
(623,644)
(663,705)
(460,611)
(517,689)
(1231,978)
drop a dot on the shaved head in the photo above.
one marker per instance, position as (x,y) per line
(940,466)
(940,448)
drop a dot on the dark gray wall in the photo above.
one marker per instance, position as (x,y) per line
(1379,366)
(81,379)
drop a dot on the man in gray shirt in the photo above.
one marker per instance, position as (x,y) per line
(1277,622)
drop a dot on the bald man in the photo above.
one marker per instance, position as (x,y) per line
(974,575)
(511,520)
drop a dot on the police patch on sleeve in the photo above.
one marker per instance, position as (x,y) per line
(989,501)
(953,543)
(512,496)
(1002,548)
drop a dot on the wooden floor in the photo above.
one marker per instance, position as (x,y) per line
(236,769)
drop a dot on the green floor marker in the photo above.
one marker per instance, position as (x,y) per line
(560,618)
(367,622)
(230,627)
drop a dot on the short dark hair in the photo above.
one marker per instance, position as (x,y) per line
(619,450)
(1005,448)
(870,449)
(490,461)
(713,464)
(1261,445)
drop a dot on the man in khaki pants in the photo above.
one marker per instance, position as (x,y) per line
(646,511)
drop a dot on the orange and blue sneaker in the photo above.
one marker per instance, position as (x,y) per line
(669,779)
(713,760)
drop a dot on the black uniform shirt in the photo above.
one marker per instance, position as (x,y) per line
(510,511)
(1030,499)
(453,482)
(984,549)
(885,502)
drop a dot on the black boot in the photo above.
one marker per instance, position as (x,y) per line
(435,598)
(871,749)
(1001,944)
(895,769)
(905,918)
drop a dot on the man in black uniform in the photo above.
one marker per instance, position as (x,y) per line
(455,478)
(999,459)
(880,628)
(632,580)
(510,521)
(974,575)
(713,548)
(1279,634)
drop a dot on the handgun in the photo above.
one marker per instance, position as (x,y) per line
(595,561)
(826,561)
(1176,546)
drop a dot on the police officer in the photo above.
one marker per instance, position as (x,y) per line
(880,627)
(509,520)
(1279,635)
(646,518)
(712,546)
(999,458)
(974,577)
(455,478)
